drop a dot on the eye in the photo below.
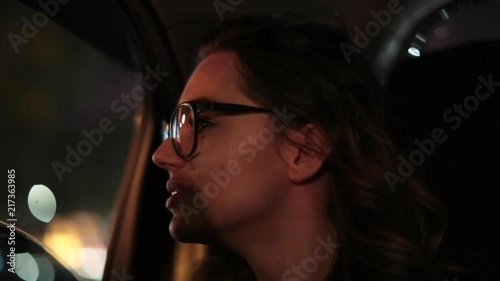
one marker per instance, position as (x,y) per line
(203,124)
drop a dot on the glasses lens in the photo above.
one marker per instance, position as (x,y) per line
(183,130)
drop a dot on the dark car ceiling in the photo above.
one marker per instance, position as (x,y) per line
(177,13)
(86,20)
(187,21)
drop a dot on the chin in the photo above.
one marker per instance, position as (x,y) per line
(196,231)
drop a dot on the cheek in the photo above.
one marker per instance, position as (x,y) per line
(243,181)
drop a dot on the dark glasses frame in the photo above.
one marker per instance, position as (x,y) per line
(199,106)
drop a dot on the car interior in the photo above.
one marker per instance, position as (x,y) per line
(74,76)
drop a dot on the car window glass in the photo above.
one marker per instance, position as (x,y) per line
(67,123)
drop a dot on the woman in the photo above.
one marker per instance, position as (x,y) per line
(278,159)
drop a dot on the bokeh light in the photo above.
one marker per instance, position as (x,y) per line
(27,267)
(42,202)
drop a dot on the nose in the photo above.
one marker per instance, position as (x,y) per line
(165,156)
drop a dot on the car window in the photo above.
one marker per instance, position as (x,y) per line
(67,123)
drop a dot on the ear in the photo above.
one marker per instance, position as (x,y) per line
(305,154)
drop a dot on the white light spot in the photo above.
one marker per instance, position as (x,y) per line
(421,37)
(444,14)
(26,267)
(42,202)
(414,52)
(92,263)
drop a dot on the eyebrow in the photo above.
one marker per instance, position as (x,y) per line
(202,99)
(212,114)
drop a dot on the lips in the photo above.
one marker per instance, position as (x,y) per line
(171,187)
(177,191)
(174,187)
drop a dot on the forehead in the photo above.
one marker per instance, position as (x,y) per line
(215,78)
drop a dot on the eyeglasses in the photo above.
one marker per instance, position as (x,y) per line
(184,122)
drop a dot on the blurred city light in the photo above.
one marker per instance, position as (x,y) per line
(27,267)
(42,202)
(77,240)
(46,269)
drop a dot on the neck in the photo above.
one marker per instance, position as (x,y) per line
(296,242)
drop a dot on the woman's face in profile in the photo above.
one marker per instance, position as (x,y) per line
(233,181)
